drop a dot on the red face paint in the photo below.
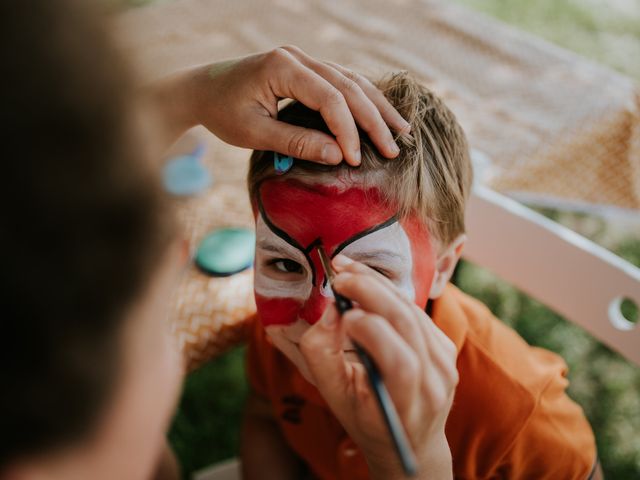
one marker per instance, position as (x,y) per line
(307,215)
(423,258)
(277,310)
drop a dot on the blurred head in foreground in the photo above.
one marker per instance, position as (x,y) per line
(89,377)
(402,217)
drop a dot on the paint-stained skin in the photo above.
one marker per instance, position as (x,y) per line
(294,217)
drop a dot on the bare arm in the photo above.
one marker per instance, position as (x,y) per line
(263,449)
(237,100)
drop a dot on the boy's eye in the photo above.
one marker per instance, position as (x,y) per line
(381,271)
(286,265)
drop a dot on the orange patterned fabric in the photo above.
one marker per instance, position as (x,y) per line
(511,417)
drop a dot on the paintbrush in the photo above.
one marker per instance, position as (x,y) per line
(389,412)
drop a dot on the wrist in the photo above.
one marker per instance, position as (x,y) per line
(434,463)
(182,95)
(174,99)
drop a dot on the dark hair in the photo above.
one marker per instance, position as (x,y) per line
(81,223)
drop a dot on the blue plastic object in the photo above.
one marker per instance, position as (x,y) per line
(186,175)
(282,163)
(226,251)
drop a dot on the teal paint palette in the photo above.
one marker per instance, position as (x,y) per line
(185,175)
(226,251)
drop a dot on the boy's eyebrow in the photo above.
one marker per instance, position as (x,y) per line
(359,256)
(378,255)
(269,247)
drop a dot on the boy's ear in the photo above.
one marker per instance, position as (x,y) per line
(445,264)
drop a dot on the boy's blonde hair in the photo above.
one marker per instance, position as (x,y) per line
(430,178)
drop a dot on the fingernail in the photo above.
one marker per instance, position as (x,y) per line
(341,261)
(393,147)
(331,154)
(357,157)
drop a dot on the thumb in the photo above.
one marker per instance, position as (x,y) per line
(298,142)
(322,346)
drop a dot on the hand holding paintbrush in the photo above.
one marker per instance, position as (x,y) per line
(388,410)
(414,358)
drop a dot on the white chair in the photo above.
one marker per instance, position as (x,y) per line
(570,274)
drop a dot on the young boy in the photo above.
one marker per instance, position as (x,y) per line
(404,218)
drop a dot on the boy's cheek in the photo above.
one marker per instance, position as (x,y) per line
(314,307)
(424,260)
(423,283)
(286,311)
(280,338)
(276,310)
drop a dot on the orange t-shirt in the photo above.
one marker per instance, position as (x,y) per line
(511,417)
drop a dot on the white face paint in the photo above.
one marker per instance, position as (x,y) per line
(389,252)
(283,273)
(274,257)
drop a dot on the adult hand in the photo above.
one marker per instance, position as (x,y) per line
(416,359)
(237,100)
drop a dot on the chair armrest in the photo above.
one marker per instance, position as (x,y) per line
(572,275)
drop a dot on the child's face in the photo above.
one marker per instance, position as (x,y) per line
(294,217)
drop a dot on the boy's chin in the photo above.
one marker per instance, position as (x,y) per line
(291,350)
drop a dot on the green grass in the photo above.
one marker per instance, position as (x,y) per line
(205,429)
(607,31)
(206,426)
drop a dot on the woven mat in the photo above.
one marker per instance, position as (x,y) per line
(211,315)
(553,124)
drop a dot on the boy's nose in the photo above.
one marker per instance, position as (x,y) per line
(321,293)
(317,302)
(314,307)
